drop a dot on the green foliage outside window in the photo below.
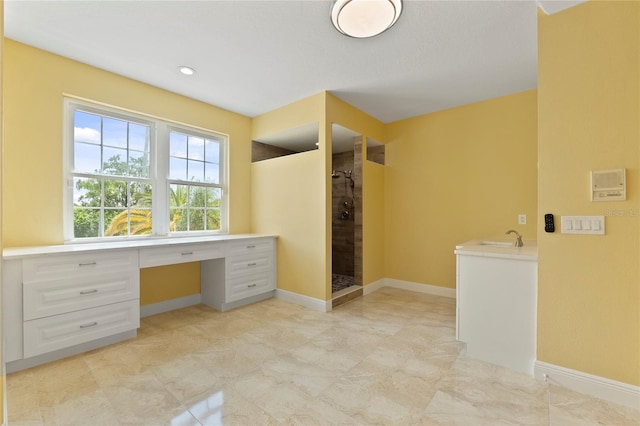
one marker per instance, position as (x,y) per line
(127,205)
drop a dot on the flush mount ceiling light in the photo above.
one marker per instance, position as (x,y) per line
(186,70)
(365,18)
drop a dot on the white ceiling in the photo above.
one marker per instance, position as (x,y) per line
(254,56)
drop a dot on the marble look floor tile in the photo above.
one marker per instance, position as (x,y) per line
(62,381)
(320,413)
(243,355)
(185,377)
(330,355)
(278,398)
(396,355)
(232,325)
(448,409)
(309,378)
(127,359)
(491,394)
(572,408)
(22,399)
(380,398)
(142,399)
(221,405)
(179,317)
(388,358)
(75,411)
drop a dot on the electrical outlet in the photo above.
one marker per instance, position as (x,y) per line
(522,219)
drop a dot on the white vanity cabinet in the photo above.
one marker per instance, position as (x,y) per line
(63,300)
(496,303)
(57,301)
(250,269)
(180,253)
(250,274)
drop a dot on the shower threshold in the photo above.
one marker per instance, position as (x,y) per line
(346,294)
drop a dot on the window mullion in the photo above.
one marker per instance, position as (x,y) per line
(160,171)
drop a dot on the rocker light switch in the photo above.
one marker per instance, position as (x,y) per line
(590,225)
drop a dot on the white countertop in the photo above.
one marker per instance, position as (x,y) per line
(499,247)
(24,252)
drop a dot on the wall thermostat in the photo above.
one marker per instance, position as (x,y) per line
(608,185)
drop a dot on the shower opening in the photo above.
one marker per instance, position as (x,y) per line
(346,211)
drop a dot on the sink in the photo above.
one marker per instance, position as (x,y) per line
(496,243)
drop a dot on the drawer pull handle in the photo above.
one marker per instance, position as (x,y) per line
(251,246)
(87,264)
(187,253)
(252,264)
(95,290)
(252,285)
(91,324)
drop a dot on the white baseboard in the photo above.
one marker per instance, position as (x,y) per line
(306,301)
(325,306)
(600,387)
(371,287)
(421,288)
(170,305)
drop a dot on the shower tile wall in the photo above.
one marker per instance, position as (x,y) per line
(347,234)
(343,230)
(357,177)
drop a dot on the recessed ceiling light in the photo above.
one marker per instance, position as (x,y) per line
(186,70)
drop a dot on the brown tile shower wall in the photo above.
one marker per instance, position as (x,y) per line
(343,236)
(347,234)
(357,177)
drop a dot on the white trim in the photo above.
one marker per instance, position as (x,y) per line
(421,288)
(374,286)
(325,305)
(306,301)
(170,305)
(600,387)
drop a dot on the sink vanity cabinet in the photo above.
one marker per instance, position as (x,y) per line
(496,290)
(62,300)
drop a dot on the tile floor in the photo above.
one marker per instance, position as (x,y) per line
(388,358)
(340,282)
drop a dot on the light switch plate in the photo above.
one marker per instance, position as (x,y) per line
(589,225)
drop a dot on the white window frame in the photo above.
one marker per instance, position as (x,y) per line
(158,171)
(222,140)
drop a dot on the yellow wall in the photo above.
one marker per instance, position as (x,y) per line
(168,282)
(372,222)
(456,175)
(35,82)
(289,197)
(589,105)
(2,370)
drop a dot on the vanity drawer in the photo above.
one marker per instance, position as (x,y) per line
(64,266)
(239,288)
(251,264)
(46,298)
(61,331)
(183,253)
(247,247)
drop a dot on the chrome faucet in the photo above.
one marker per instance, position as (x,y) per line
(519,242)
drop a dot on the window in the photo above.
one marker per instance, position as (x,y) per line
(194,182)
(129,175)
